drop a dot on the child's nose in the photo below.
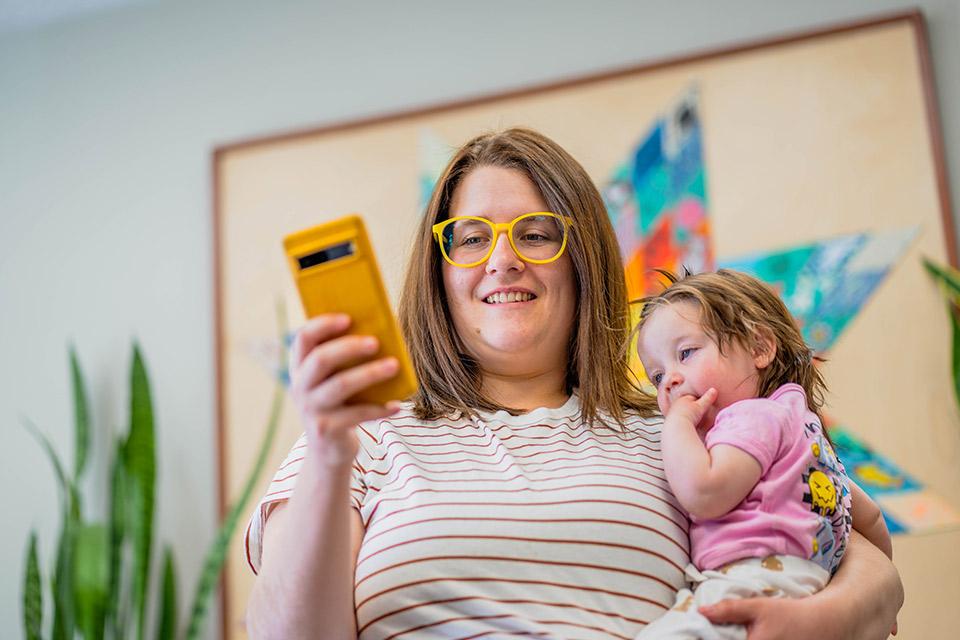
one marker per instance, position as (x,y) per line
(674,379)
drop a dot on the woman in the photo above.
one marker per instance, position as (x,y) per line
(521,492)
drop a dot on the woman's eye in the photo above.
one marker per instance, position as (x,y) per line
(685,353)
(534,237)
(473,240)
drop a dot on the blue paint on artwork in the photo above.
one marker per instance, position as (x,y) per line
(649,154)
(875,474)
(826,284)
(893,525)
(668,166)
(427,183)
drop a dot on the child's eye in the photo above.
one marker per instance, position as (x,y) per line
(686,353)
(657,379)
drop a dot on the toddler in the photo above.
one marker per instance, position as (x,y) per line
(744,451)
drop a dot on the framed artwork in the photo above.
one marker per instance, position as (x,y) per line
(802,139)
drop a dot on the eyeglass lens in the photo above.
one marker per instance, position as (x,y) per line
(534,237)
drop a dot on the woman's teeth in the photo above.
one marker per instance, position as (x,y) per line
(513,296)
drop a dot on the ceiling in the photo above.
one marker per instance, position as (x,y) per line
(19,15)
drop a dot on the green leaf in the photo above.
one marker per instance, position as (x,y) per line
(213,563)
(64,621)
(91,568)
(140,463)
(167,620)
(948,277)
(955,325)
(62,585)
(54,459)
(118,598)
(81,417)
(32,593)
(949,280)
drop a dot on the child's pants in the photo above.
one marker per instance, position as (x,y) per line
(773,576)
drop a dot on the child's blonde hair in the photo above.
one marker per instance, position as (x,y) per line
(736,306)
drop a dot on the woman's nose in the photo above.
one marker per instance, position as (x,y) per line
(503,257)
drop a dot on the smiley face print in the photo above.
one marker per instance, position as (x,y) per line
(822,496)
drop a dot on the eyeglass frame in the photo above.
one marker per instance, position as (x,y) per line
(499,228)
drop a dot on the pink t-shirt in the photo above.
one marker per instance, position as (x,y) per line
(800,506)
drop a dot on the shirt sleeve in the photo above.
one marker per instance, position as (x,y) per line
(285,479)
(279,490)
(755,426)
(365,460)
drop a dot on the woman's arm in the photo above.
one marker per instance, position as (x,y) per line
(305,586)
(860,602)
(310,549)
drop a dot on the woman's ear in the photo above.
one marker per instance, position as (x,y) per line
(764,347)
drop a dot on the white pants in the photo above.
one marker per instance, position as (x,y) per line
(773,577)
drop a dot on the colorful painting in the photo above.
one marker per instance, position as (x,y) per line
(826,283)
(434,154)
(657,200)
(908,507)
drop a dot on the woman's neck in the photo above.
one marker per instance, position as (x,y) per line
(526,391)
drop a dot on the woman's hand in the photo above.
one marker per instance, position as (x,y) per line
(861,601)
(321,382)
(772,618)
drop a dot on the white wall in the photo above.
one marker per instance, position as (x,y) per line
(107,122)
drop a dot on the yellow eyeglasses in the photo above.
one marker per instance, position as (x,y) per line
(539,238)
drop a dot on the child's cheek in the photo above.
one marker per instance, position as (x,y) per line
(663,401)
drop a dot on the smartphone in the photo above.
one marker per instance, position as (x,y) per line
(335,271)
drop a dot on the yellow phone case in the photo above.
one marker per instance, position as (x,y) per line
(336,271)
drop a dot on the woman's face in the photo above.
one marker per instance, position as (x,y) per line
(530,333)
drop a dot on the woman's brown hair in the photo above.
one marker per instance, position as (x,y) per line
(737,307)
(597,364)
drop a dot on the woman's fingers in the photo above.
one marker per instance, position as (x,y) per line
(350,416)
(334,391)
(732,611)
(324,376)
(330,356)
(316,331)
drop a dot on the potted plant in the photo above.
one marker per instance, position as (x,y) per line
(100,582)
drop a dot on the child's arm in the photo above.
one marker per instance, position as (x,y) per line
(708,484)
(868,520)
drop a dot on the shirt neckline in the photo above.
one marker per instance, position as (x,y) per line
(540,414)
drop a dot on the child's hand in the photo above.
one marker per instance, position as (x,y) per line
(692,408)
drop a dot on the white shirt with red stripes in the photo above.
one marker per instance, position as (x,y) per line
(503,526)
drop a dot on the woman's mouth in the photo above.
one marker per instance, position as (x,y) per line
(508,297)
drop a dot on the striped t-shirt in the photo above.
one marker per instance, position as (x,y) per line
(504,526)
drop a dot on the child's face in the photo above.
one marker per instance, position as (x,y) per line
(681,359)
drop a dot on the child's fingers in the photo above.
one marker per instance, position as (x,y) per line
(707,399)
(701,404)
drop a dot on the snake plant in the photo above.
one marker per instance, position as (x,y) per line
(949,280)
(100,581)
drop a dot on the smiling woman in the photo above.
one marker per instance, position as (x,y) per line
(509,311)
(577,321)
(521,490)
